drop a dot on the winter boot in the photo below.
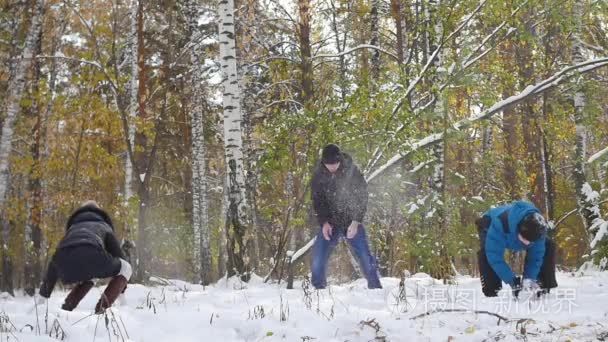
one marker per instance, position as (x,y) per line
(76,295)
(114,289)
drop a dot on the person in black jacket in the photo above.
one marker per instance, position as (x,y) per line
(339,198)
(88,250)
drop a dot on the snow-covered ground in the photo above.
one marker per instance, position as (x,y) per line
(232,311)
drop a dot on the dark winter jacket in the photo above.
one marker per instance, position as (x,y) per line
(339,198)
(499,238)
(87,226)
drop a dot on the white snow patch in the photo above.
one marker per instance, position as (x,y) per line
(205,19)
(74,39)
(235,311)
(412,209)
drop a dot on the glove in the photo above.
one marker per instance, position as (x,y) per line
(516,287)
(352,230)
(530,285)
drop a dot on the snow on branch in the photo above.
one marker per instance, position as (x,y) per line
(531,90)
(294,257)
(602,230)
(597,155)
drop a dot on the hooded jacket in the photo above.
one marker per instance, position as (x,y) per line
(87,226)
(500,238)
(341,197)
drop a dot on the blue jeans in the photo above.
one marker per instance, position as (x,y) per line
(321,250)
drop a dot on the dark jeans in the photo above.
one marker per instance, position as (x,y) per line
(322,249)
(491,283)
(85,262)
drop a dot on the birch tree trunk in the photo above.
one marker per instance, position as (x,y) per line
(141,165)
(11,109)
(200,218)
(237,212)
(438,182)
(133,102)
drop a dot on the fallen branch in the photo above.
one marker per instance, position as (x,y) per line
(500,318)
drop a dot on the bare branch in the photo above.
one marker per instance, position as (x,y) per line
(568,214)
(598,155)
(500,318)
(72,59)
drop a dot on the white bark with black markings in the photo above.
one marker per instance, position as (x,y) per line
(237,215)
(200,217)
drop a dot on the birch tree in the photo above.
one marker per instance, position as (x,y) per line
(440,111)
(200,219)
(133,96)
(237,221)
(10,111)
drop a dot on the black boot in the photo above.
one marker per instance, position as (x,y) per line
(114,289)
(76,295)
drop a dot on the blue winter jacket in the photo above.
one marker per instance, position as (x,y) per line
(497,240)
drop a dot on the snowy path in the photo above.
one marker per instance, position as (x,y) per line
(184,312)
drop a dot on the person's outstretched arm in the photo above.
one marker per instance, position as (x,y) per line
(534,259)
(113,246)
(495,250)
(360,195)
(319,200)
(48,283)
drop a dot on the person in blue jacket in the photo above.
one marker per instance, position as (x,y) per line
(517,227)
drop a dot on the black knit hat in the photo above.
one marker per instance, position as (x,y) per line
(331,154)
(533,227)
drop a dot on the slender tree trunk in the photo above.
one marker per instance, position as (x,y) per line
(342,82)
(32,234)
(398,17)
(247,32)
(584,202)
(438,183)
(550,54)
(375,39)
(133,107)
(306,69)
(530,121)
(133,95)
(10,110)
(200,218)
(139,159)
(509,127)
(250,164)
(222,261)
(238,212)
